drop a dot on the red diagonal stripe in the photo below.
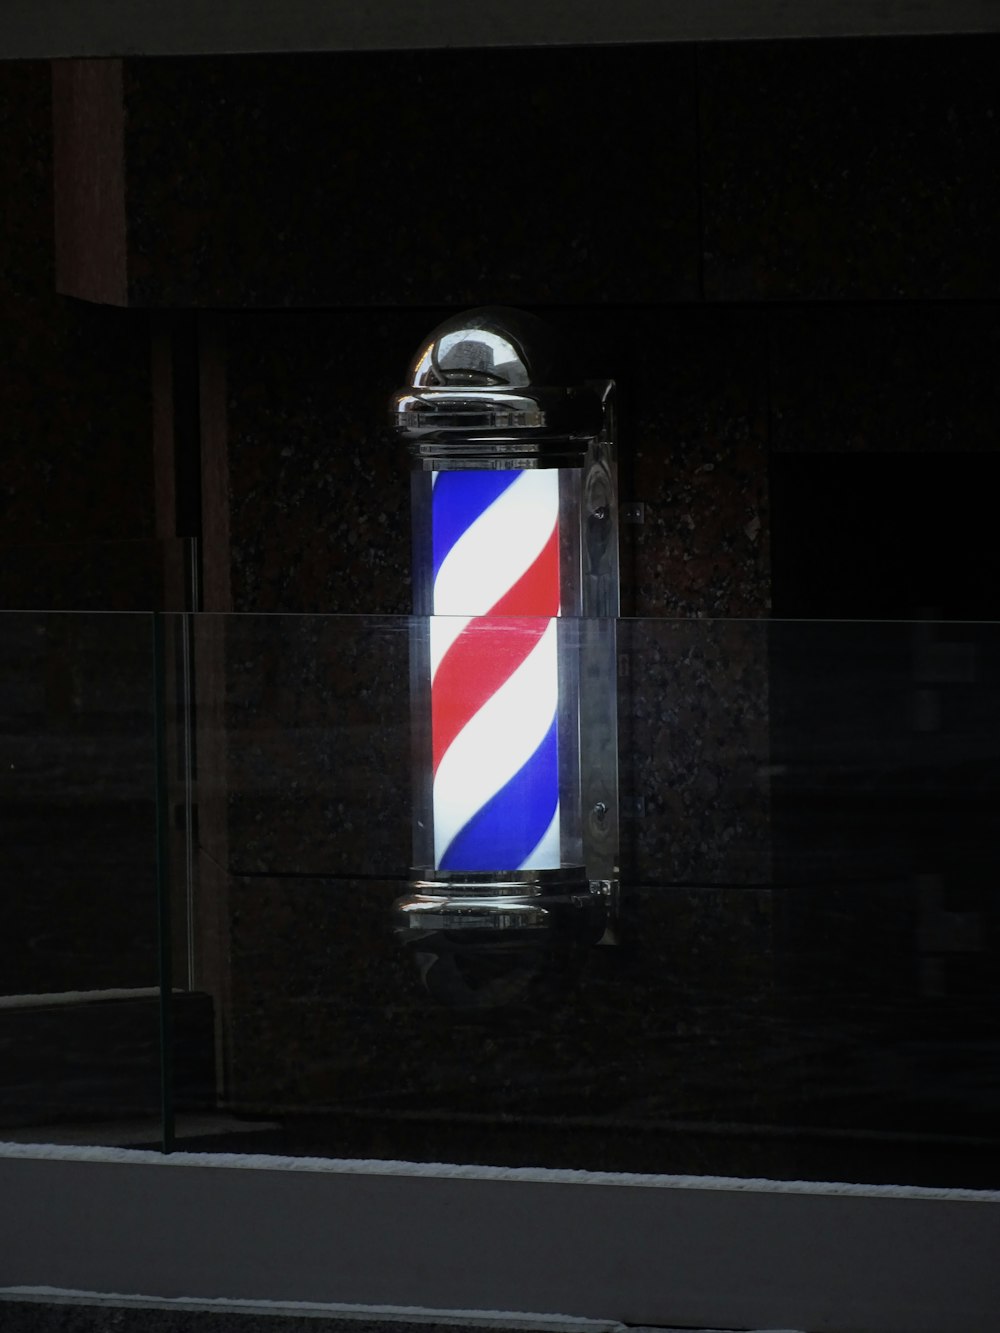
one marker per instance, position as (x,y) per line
(486,653)
(491,648)
(536,593)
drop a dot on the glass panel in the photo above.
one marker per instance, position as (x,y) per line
(302,761)
(884,798)
(79,996)
(805,983)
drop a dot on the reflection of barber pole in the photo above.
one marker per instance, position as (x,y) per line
(495,680)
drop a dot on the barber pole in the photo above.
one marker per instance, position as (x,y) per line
(495,675)
(515,594)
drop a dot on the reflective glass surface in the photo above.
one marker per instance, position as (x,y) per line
(79,970)
(801,980)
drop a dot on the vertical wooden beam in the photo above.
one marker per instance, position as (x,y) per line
(215,491)
(89,150)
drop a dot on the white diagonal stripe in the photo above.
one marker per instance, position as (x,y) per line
(547,854)
(495,550)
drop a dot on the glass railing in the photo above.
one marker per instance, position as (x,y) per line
(79,1008)
(208,819)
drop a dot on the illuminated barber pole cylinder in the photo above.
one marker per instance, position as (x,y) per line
(512,680)
(496,703)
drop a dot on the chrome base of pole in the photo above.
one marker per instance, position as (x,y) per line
(476,908)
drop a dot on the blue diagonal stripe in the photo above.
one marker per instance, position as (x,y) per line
(502,833)
(459,498)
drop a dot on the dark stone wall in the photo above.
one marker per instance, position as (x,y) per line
(844,170)
(732,934)
(900,378)
(410,179)
(784,254)
(743,172)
